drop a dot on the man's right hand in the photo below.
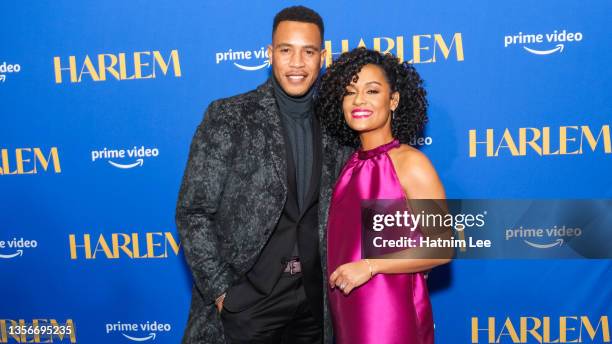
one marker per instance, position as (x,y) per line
(219,302)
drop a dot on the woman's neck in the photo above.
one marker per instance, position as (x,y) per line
(372,139)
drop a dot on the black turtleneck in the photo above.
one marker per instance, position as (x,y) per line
(296,115)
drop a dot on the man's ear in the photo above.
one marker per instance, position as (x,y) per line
(395,98)
(270,52)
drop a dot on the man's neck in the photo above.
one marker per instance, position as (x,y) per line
(297,107)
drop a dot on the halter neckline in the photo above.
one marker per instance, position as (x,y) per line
(370,153)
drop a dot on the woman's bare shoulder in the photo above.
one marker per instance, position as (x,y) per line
(408,159)
(416,173)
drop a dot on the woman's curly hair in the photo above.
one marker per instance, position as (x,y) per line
(410,115)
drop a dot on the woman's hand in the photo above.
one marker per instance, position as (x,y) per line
(351,275)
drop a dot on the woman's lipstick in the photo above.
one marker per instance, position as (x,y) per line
(360,113)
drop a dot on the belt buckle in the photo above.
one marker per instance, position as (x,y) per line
(293,267)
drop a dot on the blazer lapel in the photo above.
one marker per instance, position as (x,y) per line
(271,122)
(325,192)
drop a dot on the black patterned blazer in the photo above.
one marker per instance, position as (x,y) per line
(232,194)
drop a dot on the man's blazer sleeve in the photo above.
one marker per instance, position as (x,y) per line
(210,159)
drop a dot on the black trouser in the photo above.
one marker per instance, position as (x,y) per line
(284,316)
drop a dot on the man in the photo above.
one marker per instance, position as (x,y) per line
(253,203)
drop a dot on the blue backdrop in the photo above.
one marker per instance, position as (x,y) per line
(99,102)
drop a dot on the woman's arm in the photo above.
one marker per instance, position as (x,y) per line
(419,180)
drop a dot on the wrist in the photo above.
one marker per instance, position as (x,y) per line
(371,267)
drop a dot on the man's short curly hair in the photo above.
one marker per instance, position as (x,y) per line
(410,115)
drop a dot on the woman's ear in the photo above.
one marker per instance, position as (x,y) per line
(395,98)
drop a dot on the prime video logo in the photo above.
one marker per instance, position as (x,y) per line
(15,247)
(138,332)
(248,60)
(534,236)
(112,156)
(6,68)
(558,38)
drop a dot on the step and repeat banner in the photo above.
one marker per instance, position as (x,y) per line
(99,102)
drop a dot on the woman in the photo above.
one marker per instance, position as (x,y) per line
(373,101)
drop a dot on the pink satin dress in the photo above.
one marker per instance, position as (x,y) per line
(389,308)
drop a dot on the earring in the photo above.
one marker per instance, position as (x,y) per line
(392,115)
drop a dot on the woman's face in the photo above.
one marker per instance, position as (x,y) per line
(368,103)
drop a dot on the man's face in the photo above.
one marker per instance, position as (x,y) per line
(296,56)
